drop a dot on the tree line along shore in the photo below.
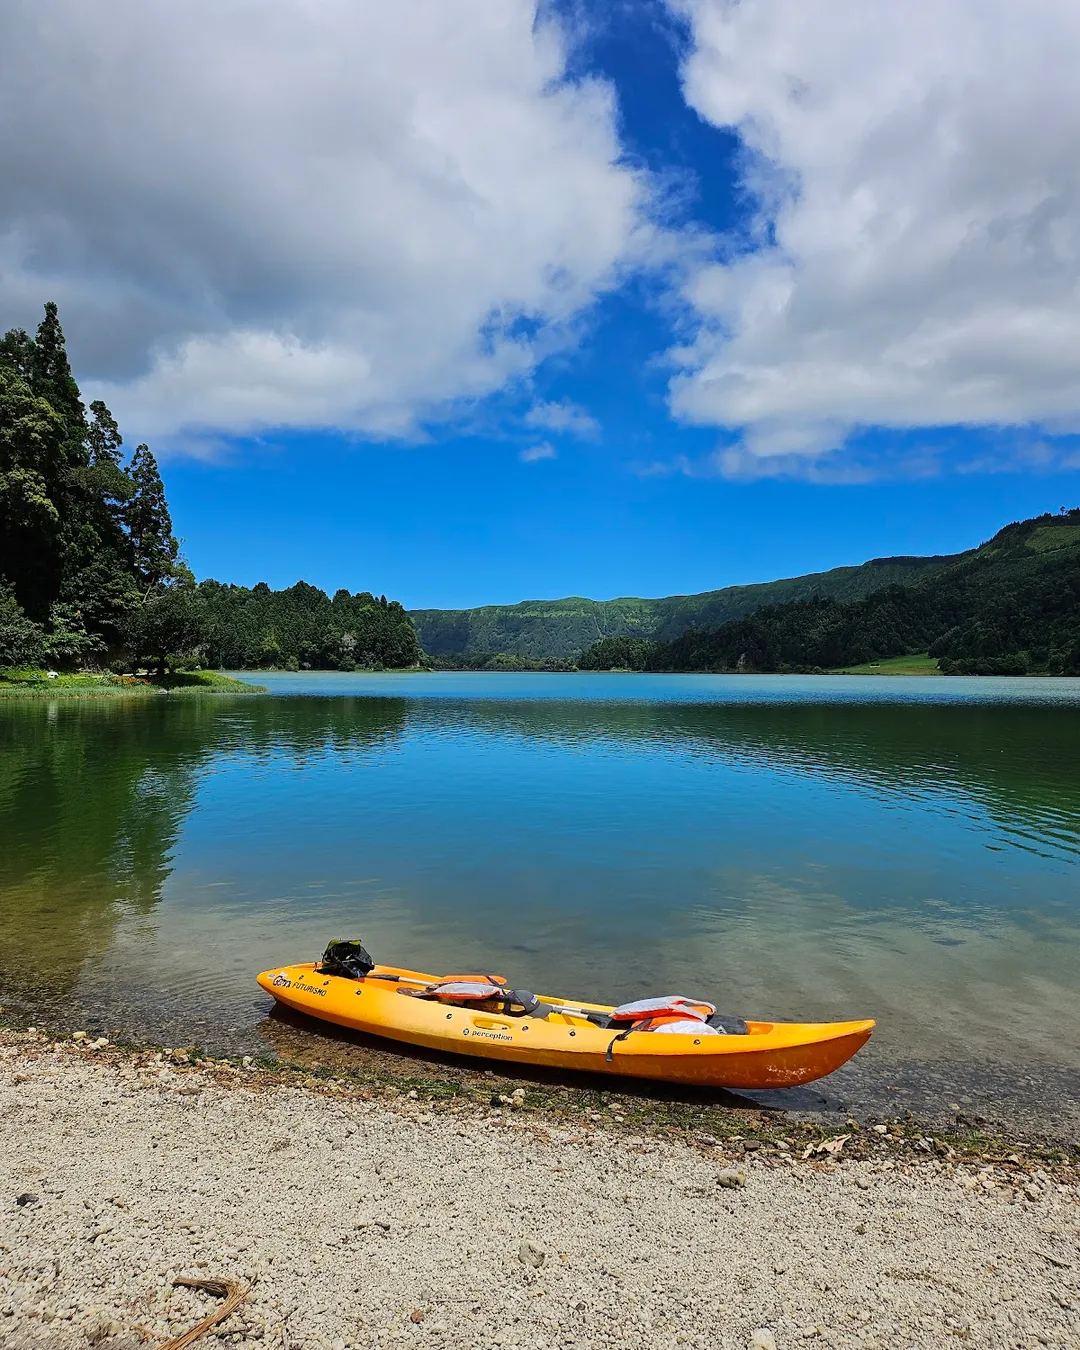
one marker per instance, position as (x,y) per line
(92,583)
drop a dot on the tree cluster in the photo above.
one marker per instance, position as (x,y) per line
(85,538)
(505,661)
(619,653)
(302,628)
(1010,607)
(90,572)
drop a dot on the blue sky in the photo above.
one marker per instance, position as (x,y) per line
(631,298)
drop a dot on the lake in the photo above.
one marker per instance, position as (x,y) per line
(792,847)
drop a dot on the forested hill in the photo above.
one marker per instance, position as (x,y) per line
(91,575)
(563,628)
(1009,607)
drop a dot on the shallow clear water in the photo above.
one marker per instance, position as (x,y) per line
(794,847)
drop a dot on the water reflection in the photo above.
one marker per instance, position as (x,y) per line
(93,798)
(915,861)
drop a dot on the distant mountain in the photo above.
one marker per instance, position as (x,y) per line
(1009,607)
(563,628)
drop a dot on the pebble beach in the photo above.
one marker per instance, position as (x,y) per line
(354,1217)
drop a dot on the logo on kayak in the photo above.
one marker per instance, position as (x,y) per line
(283,982)
(487,1035)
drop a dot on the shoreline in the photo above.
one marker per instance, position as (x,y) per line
(117,686)
(93,687)
(356,1214)
(390,1071)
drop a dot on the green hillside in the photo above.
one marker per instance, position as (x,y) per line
(562,628)
(1009,607)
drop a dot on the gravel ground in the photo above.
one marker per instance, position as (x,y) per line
(392,1222)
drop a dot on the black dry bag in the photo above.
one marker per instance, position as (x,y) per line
(350,959)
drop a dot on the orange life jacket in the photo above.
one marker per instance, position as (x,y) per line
(467,988)
(666,1007)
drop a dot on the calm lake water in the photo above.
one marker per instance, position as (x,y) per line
(806,848)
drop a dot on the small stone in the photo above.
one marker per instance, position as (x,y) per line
(863,1183)
(519,1093)
(413,1095)
(25,1200)
(730,1178)
(881,1129)
(763,1339)
(531,1254)
(78,1035)
(417,1315)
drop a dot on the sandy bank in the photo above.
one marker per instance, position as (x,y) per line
(367,1221)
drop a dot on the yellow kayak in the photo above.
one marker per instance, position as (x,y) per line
(394,1002)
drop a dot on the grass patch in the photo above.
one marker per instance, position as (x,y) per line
(919,664)
(1049,538)
(37,684)
(206,682)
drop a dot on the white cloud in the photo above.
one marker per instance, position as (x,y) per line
(919,261)
(535,453)
(564,417)
(260,213)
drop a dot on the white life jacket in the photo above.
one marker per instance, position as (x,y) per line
(688,1026)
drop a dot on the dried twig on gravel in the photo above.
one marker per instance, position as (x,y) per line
(231,1291)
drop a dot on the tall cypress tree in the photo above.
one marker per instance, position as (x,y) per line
(52,380)
(154,550)
(103,436)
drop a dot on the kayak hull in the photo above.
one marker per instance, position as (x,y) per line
(771,1055)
